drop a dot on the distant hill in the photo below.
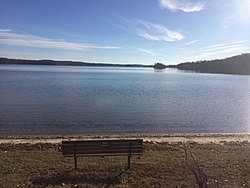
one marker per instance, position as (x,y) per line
(64,63)
(239,64)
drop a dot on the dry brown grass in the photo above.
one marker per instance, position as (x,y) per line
(161,165)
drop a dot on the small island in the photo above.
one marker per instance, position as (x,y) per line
(159,66)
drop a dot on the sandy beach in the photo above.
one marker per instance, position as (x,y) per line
(158,138)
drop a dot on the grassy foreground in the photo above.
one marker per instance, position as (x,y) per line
(161,165)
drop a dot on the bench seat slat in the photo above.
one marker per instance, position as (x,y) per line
(102,152)
(100,155)
(99,142)
(100,146)
(103,142)
(65,149)
(101,149)
(106,145)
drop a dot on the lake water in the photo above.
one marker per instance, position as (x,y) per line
(63,100)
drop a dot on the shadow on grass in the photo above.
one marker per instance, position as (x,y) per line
(69,178)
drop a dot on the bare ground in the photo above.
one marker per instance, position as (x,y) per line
(36,161)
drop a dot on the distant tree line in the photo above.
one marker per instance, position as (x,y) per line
(239,64)
(63,63)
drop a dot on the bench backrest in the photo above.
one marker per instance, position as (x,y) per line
(102,147)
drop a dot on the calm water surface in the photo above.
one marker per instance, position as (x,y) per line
(89,100)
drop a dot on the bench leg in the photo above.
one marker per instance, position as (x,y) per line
(129,156)
(75,159)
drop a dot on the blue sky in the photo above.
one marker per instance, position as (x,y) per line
(124,31)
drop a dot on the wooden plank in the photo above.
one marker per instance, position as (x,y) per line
(106,140)
(108,146)
(101,155)
(103,142)
(102,148)
(92,148)
(102,152)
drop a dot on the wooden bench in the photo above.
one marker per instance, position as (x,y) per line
(102,148)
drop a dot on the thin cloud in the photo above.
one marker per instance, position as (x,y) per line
(182,5)
(4,30)
(8,37)
(147,52)
(223,45)
(190,43)
(221,48)
(151,31)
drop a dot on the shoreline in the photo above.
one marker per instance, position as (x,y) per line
(157,138)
